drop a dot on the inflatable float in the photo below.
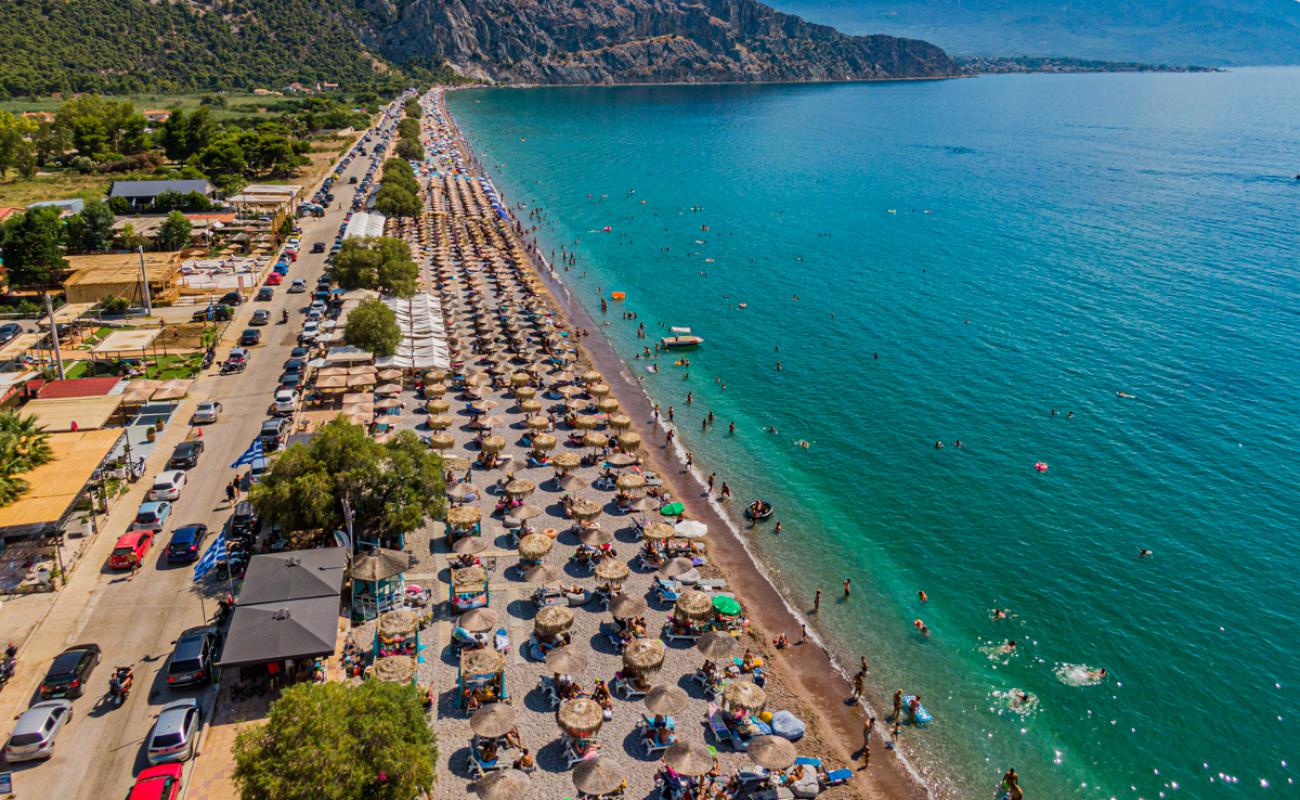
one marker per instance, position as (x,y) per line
(922,716)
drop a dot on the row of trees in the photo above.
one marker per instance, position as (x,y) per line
(399,194)
(391,487)
(408,132)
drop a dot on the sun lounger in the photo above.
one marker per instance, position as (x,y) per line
(837,776)
(717,727)
(623,686)
(667,590)
(670,634)
(715,585)
(546,685)
(480,767)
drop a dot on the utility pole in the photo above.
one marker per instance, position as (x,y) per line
(144,285)
(54,333)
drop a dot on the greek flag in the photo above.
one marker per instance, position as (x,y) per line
(215,552)
(250,455)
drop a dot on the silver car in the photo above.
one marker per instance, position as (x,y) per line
(207,412)
(175,733)
(33,736)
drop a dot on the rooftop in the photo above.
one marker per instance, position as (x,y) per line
(54,487)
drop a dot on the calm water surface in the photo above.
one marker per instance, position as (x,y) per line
(954,261)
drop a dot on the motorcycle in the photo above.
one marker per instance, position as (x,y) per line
(284,317)
(119,686)
(7,665)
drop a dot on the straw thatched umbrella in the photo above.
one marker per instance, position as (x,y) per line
(630,481)
(595,777)
(439,422)
(494,720)
(627,606)
(688,758)
(398,623)
(463,492)
(543,573)
(643,655)
(390,375)
(493,444)
(435,389)
(389,389)
(743,695)
(658,531)
(537,423)
(482,406)
(629,442)
(520,487)
(666,699)
(772,752)
(483,661)
(476,392)
(566,460)
(455,463)
(598,389)
(619,422)
(520,379)
(608,405)
(478,620)
(717,644)
(586,422)
(438,405)
(567,660)
(581,716)
(543,442)
(506,784)
(464,515)
(525,392)
(590,376)
(570,483)
(391,402)
(535,546)
(675,567)
(380,564)
(645,504)
(621,460)
(584,509)
(519,516)
(441,441)
(394,669)
(595,537)
(611,569)
(693,604)
(470,546)
(553,619)
(490,421)
(564,376)
(530,406)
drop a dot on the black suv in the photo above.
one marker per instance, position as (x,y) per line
(250,337)
(231,299)
(244,519)
(71,669)
(191,661)
(216,313)
(186,455)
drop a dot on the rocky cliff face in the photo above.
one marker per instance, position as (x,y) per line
(639,41)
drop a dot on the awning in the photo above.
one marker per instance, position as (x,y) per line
(276,631)
(293,575)
(88,412)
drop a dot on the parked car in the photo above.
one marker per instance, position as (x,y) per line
(299,352)
(244,520)
(274,432)
(185,456)
(318,247)
(298,286)
(9,331)
(318,305)
(186,542)
(206,413)
(309,332)
(162,782)
(34,734)
(175,733)
(69,672)
(260,317)
(238,354)
(265,294)
(130,549)
(250,337)
(213,314)
(274,279)
(295,364)
(192,657)
(290,379)
(231,299)
(168,485)
(151,517)
(285,402)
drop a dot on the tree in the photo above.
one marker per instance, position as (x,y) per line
(334,741)
(174,233)
(382,263)
(391,487)
(175,136)
(31,245)
(91,231)
(128,238)
(24,445)
(410,149)
(372,326)
(396,201)
(17,150)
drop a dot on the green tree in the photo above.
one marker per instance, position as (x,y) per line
(17,150)
(174,137)
(91,231)
(32,247)
(334,741)
(128,238)
(372,326)
(410,149)
(24,445)
(396,201)
(174,233)
(382,263)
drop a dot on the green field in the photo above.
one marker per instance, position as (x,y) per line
(237,104)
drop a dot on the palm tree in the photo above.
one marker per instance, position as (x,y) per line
(24,445)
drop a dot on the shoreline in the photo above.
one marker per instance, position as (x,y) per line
(809,671)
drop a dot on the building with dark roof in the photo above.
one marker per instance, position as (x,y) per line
(141,194)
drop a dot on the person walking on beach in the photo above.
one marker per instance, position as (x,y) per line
(726,491)
(690,459)
(670,413)
(817,601)
(866,741)
(858,681)
(712,477)
(847,583)
(898,704)
(668,438)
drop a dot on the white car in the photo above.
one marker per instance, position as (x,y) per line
(318,306)
(175,733)
(207,412)
(285,403)
(167,486)
(298,286)
(309,332)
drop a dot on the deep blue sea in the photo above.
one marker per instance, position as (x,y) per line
(993,261)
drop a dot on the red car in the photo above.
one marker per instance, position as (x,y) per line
(162,782)
(274,279)
(130,549)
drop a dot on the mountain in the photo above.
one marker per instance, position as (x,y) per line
(1210,32)
(177,45)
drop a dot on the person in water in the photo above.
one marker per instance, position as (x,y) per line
(919,624)
(1096,674)
(1144,553)
(922,596)
(1009,647)
(777,529)
(998,613)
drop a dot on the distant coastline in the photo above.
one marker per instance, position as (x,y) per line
(1005,65)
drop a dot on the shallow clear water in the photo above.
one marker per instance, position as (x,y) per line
(1006,246)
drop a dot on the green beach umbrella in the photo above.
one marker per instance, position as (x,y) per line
(727,606)
(673,510)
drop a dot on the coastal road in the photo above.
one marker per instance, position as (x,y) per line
(136,620)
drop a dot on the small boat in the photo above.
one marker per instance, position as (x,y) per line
(759,510)
(682,338)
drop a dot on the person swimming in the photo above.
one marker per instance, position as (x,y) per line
(1009,647)
(1144,553)
(998,613)
(922,596)
(919,624)
(1096,674)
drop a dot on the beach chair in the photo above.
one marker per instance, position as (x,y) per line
(479,767)
(836,777)
(621,685)
(667,591)
(572,755)
(670,634)
(546,685)
(715,585)
(718,729)
(652,746)
(647,722)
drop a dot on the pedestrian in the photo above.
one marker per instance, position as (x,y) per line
(670,413)
(135,567)
(847,583)
(230,492)
(867,727)
(668,438)
(858,685)
(898,705)
(803,634)
(777,529)
(690,459)
(656,412)
(712,477)
(690,398)
(863,663)
(726,491)
(817,601)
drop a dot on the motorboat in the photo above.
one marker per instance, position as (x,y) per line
(681,339)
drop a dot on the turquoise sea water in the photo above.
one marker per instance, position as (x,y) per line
(1006,246)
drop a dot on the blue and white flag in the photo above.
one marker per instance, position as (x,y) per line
(216,552)
(250,455)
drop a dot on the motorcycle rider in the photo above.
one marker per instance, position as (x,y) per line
(119,686)
(284,315)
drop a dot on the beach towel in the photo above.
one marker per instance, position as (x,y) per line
(787,726)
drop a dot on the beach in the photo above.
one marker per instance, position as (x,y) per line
(802,678)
